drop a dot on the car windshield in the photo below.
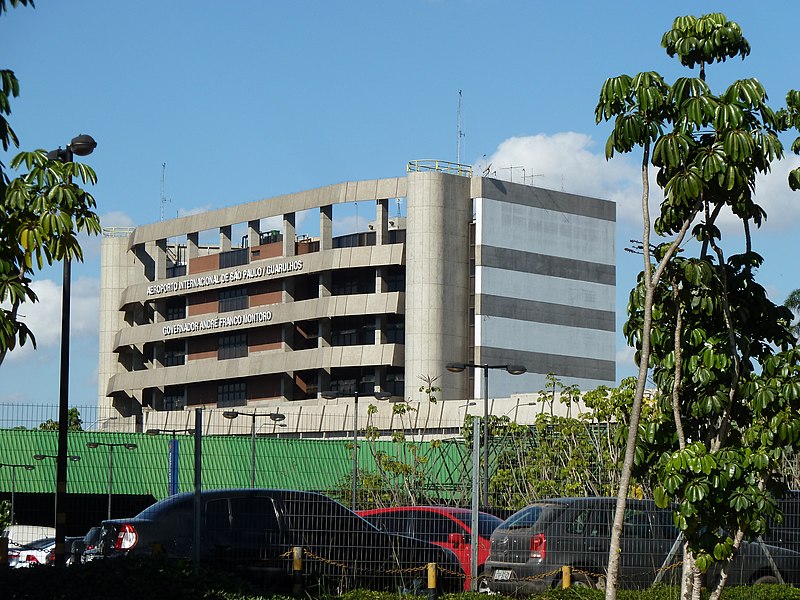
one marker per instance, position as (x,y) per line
(39,544)
(92,536)
(487,524)
(154,510)
(527,517)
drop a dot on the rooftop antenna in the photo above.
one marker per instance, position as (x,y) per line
(511,171)
(164,199)
(460,133)
(531,177)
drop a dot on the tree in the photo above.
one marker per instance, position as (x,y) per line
(74,422)
(41,213)
(792,302)
(702,324)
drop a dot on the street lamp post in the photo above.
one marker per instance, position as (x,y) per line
(513,370)
(276,417)
(330,395)
(111,446)
(82,145)
(174,458)
(14,468)
(58,505)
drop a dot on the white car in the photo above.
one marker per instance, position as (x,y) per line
(31,554)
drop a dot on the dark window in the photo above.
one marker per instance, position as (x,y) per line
(233,299)
(175,271)
(366,238)
(395,382)
(353,281)
(395,330)
(397,236)
(433,527)
(637,524)
(345,386)
(352,331)
(232,346)
(395,279)
(176,309)
(174,398)
(234,258)
(233,393)
(589,522)
(175,353)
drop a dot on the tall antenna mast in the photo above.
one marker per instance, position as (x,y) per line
(460,133)
(163,189)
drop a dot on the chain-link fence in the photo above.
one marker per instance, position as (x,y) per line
(272,500)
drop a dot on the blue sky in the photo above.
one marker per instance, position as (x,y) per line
(243,100)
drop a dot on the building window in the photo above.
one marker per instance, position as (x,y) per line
(395,279)
(232,346)
(347,331)
(175,353)
(175,271)
(234,258)
(353,240)
(174,398)
(395,330)
(232,393)
(233,299)
(353,281)
(343,386)
(395,381)
(176,309)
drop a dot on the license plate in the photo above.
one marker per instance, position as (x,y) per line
(502,575)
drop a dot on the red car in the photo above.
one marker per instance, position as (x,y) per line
(444,526)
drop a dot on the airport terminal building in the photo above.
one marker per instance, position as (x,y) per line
(264,303)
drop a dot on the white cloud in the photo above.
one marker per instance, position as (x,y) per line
(567,162)
(44,317)
(571,162)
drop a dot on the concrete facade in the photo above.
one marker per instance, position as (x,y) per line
(238,306)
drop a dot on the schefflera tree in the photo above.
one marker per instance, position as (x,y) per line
(720,351)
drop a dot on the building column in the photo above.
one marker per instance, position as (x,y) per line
(225,238)
(437,280)
(326,227)
(381,222)
(193,245)
(254,233)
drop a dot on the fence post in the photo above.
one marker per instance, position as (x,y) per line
(566,577)
(431,581)
(3,552)
(297,571)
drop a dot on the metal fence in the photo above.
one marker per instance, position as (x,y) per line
(402,481)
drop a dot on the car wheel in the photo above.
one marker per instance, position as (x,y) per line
(483,583)
(766,580)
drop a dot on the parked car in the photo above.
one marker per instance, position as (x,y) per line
(444,526)
(29,555)
(255,530)
(19,535)
(87,549)
(73,548)
(530,547)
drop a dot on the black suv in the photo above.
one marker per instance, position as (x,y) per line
(255,530)
(530,547)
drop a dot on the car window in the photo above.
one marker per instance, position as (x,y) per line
(433,527)
(526,517)
(315,513)
(589,522)
(636,524)
(393,522)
